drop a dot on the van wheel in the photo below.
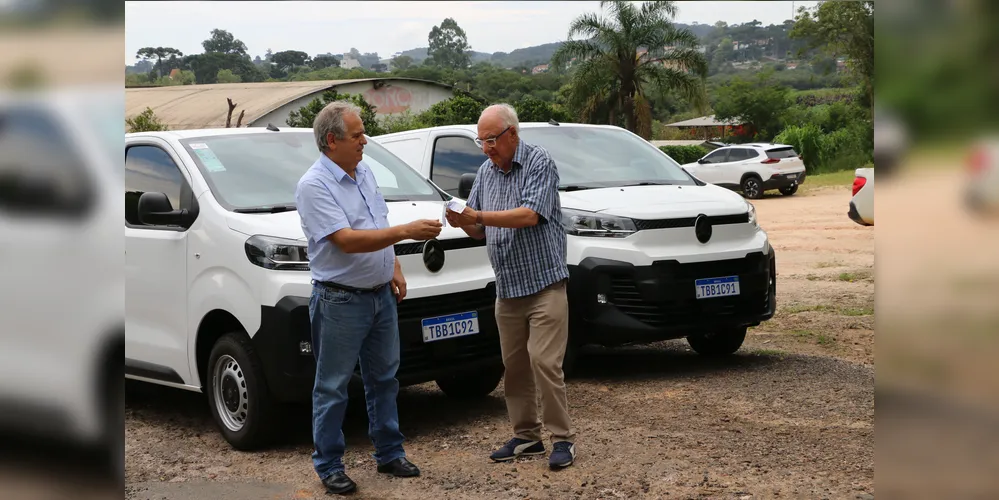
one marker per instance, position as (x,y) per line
(471,386)
(790,190)
(720,343)
(752,187)
(238,396)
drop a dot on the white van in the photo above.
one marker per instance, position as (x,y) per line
(218,282)
(653,253)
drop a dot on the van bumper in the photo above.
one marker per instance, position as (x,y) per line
(780,181)
(283,343)
(613,303)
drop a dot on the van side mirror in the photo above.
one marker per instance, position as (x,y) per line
(465,185)
(155,209)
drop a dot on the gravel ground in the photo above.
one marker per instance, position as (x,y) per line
(790,416)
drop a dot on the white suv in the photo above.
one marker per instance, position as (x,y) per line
(752,168)
(218,280)
(653,253)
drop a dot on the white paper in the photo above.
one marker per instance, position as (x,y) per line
(456,206)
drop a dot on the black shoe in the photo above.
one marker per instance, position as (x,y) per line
(338,483)
(399,467)
(563,454)
(517,447)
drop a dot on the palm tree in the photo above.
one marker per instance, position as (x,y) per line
(622,58)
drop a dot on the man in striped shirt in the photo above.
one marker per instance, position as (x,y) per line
(514,204)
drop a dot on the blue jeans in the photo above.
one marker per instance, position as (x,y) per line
(347,327)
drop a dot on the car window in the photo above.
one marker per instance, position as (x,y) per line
(40,171)
(741,154)
(604,157)
(149,169)
(716,156)
(779,153)
(258,170)
(454,156)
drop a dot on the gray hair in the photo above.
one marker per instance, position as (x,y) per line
(507,114)
(330,120)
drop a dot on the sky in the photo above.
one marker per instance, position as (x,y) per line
(389,27)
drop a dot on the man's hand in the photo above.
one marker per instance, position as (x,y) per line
(423,229)
(466,218)
(398,283)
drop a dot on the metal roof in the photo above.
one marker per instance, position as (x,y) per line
(703,121)
(205,106)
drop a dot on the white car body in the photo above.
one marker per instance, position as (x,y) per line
(226,272)
(862,204)
(62,310)
(631,278)
(982,183)
(751,168)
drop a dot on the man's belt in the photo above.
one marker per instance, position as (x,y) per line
(351,289)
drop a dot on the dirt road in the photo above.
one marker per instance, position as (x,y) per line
(791,415)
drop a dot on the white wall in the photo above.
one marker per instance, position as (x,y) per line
(394,97)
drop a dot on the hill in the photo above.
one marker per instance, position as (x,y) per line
(538,54)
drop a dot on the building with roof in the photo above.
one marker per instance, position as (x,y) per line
(205,106)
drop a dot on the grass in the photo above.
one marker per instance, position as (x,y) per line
(845,311)
(823,265)
(825,340)
(843,179)
(857,276)
(774,353)
(821,339)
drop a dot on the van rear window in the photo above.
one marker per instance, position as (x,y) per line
(779,153)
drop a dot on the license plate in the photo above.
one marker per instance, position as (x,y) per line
(716,287)
(454,325)
(791,176)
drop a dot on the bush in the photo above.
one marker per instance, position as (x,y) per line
(401,122)
(843,149)
(458,110)
(307,114)
(145,121)
(684,154)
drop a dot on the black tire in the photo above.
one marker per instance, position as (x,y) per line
(471,386)
(790,190)
(245,414)
(720,343)
(752,187)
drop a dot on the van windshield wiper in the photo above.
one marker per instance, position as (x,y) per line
(269,209)
(649,184)
(572,187)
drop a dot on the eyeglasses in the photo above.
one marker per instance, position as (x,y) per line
(490,141)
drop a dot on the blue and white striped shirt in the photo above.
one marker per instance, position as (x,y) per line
(525,260)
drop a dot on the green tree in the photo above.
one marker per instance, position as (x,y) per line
(613,80)
(159,53)
(323,61)
(842,28)
(223,42)
(306,115)
(532,109)
(761,103)
(402,62)
(227,76)
(145,121)
(458,110)
(448,45)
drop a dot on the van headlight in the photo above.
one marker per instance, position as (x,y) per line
(579,223)
(752,214)
(282,254)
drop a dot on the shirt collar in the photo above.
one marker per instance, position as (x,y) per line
(338,173)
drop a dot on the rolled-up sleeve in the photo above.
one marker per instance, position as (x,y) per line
(319,211)
(541,187)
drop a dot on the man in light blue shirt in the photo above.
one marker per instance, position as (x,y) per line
(357,283)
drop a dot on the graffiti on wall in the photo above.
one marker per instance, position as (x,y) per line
(389,99)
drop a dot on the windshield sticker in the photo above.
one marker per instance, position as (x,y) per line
(199,145)
(208,158)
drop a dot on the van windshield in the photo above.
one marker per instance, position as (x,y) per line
(590,157)
(254,170)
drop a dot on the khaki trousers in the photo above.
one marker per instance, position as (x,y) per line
(533,334)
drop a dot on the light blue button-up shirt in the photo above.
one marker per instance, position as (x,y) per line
(329,200)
